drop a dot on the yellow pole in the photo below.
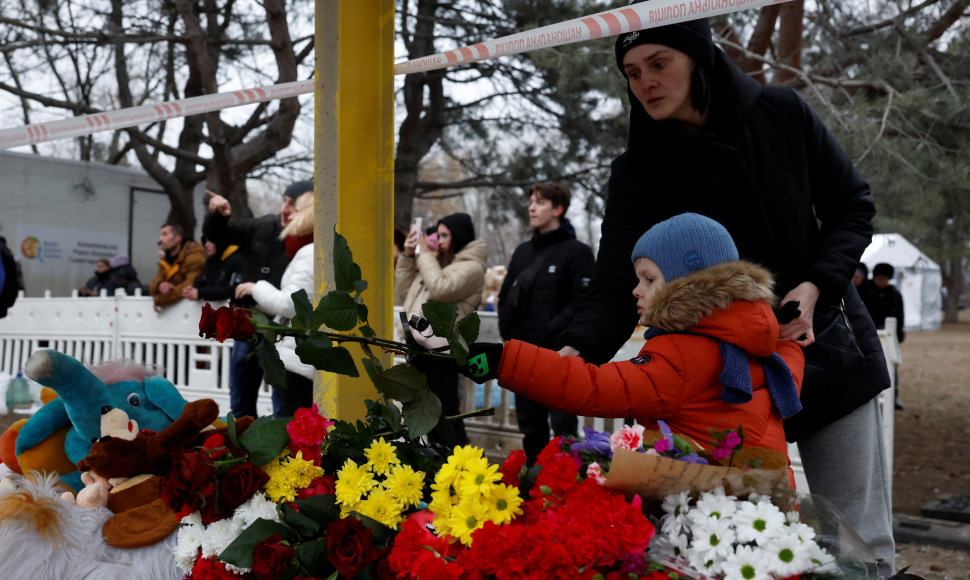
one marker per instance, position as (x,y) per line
(354,138)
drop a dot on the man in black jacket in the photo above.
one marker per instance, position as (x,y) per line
(547,277)
(264,259)
(883,300)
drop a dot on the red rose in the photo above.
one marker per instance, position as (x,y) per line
(270,558)
(349,546)
(239,484)
(242,326)
(207,324)
(226,322)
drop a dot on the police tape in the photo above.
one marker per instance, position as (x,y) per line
(123,118)
(608,23)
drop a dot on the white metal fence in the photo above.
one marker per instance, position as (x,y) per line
(103,328)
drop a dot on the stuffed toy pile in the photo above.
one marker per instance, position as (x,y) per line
(79,494)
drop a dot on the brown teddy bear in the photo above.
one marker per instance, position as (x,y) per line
(130,464)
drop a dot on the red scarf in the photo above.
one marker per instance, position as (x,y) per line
(294,243)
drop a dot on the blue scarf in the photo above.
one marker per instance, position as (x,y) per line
(736,376)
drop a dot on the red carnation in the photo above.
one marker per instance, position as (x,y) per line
(512,467)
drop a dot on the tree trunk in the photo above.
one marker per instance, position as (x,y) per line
(424,119)
(953,282)
(790,28)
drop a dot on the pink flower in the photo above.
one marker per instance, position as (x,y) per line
(662,445)
(596,472)
(628,437)
(721,453)
(732,440)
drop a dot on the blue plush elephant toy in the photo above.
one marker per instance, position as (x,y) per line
(82,398)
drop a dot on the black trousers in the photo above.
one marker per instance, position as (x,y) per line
(534,421)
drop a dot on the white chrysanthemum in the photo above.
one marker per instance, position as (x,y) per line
(255,508)
(677,504)
(218,535)
(745,563)
(194,518)
(787,556)
(672,525)
(803,532)
(757,522)
(793,517)
(712,542)
(187,545)
(713,505)
(824,563)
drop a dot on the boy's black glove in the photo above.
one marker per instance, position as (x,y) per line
(483,360)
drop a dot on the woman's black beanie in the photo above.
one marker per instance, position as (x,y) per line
(693,38)
(462,229)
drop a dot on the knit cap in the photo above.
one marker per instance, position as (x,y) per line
(685,244)
(298,188)
(883,269)
(693,38)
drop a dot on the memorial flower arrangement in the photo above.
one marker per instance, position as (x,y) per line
(307,497)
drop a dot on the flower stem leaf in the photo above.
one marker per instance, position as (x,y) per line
(336,310)
(422,413)
(336,359)
(346,273)
(304,310)
(265,439)
(401,382)
(321,507)
(240,551)
(301,523)
(442,317)
(269,361)
(312,555)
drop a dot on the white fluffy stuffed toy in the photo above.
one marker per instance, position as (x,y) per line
(43,537)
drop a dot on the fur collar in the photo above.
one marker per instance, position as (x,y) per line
(682,304)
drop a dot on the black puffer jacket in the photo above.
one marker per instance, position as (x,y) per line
(220,275)
(767,168)
(535,304)
(259,244)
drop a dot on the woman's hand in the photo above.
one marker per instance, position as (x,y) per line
(568,351)
(411,242)
(190,292)
(244,289)
(800,329)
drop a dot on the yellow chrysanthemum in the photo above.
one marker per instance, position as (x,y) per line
(405,484)
(353,482)
(301,471)
(464,454)
(446,477)
(381,456)
(504,504)
(381,506)
(442,503)
(467,517)
(479,478)
(289,475)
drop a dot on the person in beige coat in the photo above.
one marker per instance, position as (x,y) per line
(455,274)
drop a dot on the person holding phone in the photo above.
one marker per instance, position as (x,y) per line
(455,274)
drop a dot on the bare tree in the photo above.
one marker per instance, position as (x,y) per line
(87,57)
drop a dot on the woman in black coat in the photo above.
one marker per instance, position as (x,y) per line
(706,138)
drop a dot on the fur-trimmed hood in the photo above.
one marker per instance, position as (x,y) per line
(731,301)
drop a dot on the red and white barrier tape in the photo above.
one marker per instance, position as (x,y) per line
(607,23)
(122,118)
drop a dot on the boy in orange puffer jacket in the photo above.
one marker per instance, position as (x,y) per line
(712,358)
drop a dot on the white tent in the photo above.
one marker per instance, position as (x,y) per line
(917,277)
